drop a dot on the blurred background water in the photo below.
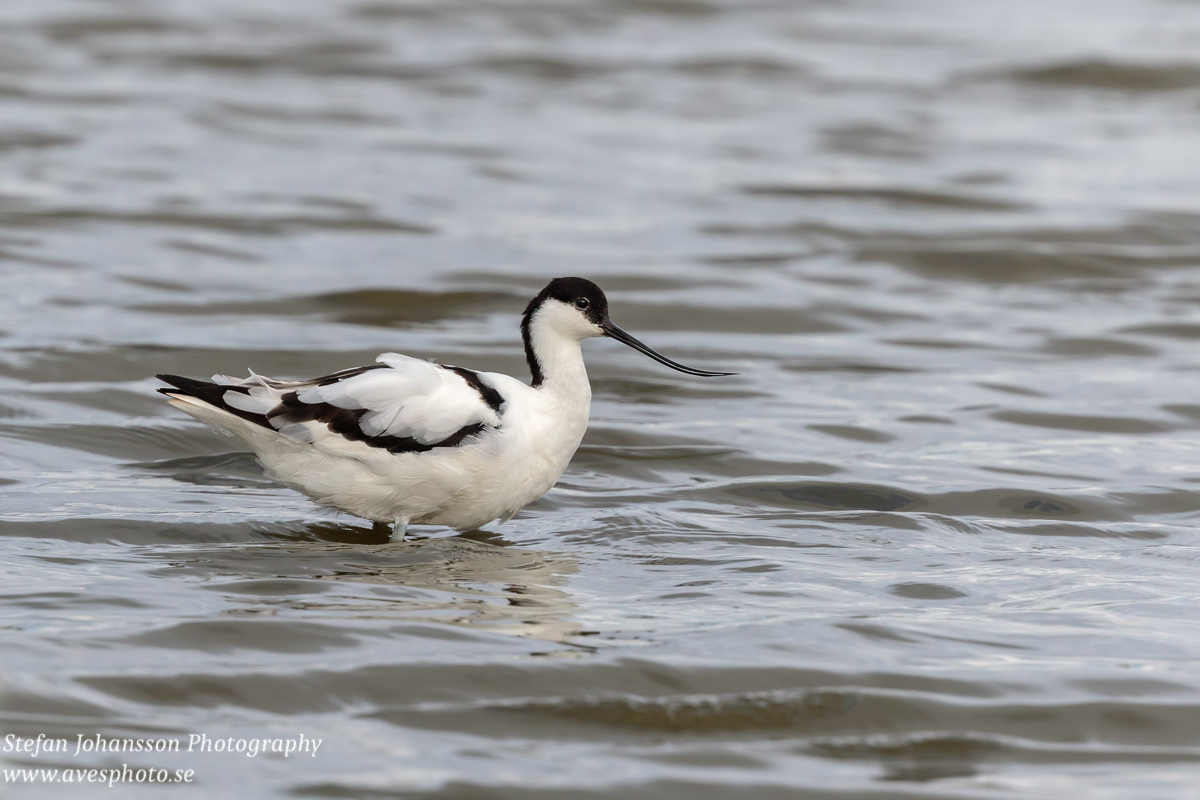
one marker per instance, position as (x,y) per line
(937,540)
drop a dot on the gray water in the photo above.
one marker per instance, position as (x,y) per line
(937,540)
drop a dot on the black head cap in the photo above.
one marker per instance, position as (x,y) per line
(578,292)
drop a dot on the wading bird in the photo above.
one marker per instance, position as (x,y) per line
(406,441)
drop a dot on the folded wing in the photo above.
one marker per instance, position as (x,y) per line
(400,404)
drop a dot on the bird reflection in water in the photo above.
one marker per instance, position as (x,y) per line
(477,580)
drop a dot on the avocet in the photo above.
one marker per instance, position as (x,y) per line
(406,441)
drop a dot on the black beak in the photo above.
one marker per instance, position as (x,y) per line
(613,332)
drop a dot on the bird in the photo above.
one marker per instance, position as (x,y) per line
(408,441)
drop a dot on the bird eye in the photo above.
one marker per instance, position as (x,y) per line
(582,302)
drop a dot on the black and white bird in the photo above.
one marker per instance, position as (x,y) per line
(406,441)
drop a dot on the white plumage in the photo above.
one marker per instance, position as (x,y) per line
(408,441)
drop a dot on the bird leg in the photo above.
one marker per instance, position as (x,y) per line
(398,528)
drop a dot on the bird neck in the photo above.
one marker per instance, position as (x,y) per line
(555,361)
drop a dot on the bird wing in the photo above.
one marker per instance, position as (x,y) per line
(400,404)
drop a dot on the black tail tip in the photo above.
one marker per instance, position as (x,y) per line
(182,385)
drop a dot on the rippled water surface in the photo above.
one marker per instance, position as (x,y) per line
(937,539)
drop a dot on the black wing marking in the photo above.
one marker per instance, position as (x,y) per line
(486,393)
(346,422)
(341,375)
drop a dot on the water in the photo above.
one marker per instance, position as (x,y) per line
(936,540)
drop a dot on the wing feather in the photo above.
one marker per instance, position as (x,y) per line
(402,404)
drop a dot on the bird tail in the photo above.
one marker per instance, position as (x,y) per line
(204,399)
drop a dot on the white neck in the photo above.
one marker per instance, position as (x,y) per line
(552,336)
(561,362)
